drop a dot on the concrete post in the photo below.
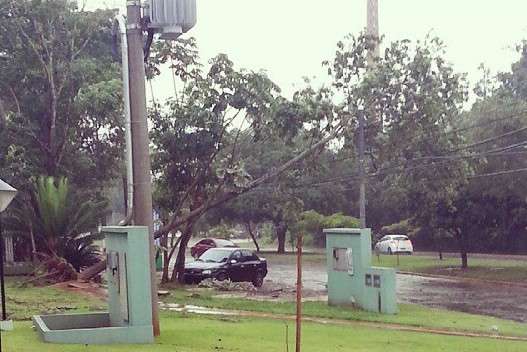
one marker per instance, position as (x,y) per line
(142,203)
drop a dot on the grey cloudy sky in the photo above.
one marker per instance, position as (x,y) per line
(290,38)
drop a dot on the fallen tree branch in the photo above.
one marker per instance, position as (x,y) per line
(274,172)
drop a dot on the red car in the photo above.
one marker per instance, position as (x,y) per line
(199,248)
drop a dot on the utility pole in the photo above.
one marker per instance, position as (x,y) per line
(140,146)
(372,30)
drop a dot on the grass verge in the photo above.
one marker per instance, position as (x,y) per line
(411,315)
(199,334)
(24,302)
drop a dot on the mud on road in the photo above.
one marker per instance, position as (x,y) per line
(499,300)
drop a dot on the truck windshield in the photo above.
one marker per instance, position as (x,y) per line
(215,256)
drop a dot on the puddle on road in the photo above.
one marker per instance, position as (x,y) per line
(502,301)
(506,302)
(187,308)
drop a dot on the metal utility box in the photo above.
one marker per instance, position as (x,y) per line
(129,316)
(172,18)
(351,278)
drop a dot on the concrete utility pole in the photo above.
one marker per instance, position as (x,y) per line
(372,30)
(140,146)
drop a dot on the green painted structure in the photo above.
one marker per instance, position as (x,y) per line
(129,316)
(351,278)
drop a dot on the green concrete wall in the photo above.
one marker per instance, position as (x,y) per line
(377,294)
(87,329)
(132,243)
(129,316)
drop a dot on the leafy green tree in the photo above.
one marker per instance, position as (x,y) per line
(489,213)
(412,101)
(312,223)
(59,94)
(198,160)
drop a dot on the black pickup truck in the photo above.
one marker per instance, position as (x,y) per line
(236,264)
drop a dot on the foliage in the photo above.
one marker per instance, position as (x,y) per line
(221,231)
(403,227)
(312,223)
(60,94)
(63,224)
(201,135)
(488,214)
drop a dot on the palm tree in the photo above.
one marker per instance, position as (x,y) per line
(63,225)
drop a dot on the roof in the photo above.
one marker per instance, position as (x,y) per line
(229,249)
(344,231)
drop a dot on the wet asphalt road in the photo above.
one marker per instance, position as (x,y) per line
(503,301)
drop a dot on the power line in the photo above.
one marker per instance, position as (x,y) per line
(417,167)
(443,158)
(492,139)
(506,172)
(520,113)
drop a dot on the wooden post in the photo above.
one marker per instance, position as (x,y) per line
(298,292)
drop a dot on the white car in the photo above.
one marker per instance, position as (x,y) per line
(392,244)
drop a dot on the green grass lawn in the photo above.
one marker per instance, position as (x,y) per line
(197,334)
(23,302)
(189,333)
(479,268)
(412,315)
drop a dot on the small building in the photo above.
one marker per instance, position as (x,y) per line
(352,280)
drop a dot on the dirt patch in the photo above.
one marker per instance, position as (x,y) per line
(270,291)
(88,289)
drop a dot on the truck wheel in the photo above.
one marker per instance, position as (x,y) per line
(258,279)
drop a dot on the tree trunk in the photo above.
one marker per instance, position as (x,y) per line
(166,263)
(179,267)
(253,237)
(281,232)
(33,246)
(464,259)
(92,271)
(166,259)
(3,118)
(463,249)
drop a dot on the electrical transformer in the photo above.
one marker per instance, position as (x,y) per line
(172,18)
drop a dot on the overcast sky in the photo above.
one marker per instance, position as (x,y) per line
(290,38)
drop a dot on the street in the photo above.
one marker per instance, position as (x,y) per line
(508,302)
